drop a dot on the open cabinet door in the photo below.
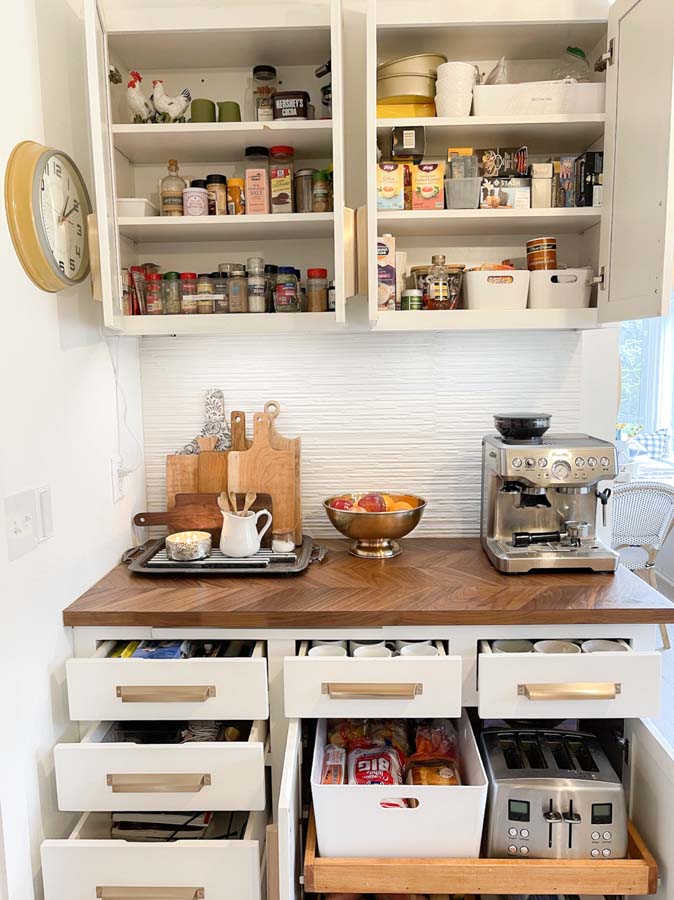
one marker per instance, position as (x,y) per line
(637,239)
(101,151)
(344,220)
(368,242)
(289,816)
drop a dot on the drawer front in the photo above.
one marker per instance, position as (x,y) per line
(318,687)
(170,777)
(87,869)
(166,689)
(542,685)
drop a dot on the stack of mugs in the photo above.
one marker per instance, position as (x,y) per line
(372,649)
(454,88)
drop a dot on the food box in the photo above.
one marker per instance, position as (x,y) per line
(291,105)
(589,178)
(408,143)
(427,185)
(511,162)
(390,185)
(356,820)
(567,182)
(386,272)
(505,193)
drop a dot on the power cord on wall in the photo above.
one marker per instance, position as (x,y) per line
(122,424)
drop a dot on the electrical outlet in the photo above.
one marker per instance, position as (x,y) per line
(117,479)
(29,521)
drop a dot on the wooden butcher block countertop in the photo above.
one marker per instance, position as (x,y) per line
(433,582)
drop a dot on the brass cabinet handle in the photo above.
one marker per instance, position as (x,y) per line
(571,690)
(159,693)
(189,783)
(150,893)
(360,691)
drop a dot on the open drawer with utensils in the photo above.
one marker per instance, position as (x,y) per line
(231,685)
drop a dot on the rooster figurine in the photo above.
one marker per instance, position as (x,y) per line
(170,109)
(142,108)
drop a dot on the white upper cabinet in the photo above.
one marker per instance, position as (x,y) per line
(637,241)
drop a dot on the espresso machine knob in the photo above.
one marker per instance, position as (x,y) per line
(561,469)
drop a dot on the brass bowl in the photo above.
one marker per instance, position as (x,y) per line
(376,533)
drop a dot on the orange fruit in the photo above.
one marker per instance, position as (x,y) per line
(389,501)
(402,504)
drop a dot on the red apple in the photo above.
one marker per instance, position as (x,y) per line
(372,503)
(342,503)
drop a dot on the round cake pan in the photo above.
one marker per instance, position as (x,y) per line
(416,86)
(420,63)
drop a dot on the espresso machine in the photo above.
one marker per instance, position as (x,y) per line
(541,497)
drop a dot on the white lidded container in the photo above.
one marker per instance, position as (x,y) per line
(539,98)
(135,207)
(447,822)
(496,289)
(560,289)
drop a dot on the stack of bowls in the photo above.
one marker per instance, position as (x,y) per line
(410,79)
(454,88)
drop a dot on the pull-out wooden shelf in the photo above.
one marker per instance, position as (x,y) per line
(635,875)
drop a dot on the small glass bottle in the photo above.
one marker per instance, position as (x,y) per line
(154,304)
(188,298)
(257,181)
(238,291)
(320,192)
(331,297)
(205,291)
(171,191)
(438,285)
(264,88)
(287,298)
(172,294)
(271,277)
(317,290)
(304,190)
(220,292)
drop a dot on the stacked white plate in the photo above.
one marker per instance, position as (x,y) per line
(454,88)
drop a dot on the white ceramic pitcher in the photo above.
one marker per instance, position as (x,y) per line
(240,536)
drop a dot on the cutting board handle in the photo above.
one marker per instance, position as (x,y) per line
(261,428)
(272,408)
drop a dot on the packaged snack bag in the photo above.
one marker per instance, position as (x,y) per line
(334,765)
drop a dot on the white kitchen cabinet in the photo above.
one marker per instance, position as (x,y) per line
(628,241)
(214,60)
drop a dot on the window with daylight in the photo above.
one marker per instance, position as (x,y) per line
(646,418)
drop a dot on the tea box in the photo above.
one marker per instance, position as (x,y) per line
(386,272)
(390,185)
(428,185)
(505,193)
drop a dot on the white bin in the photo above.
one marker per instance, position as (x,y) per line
(135,207)
(496,289)
(447,822)
(533,98)
(560,289)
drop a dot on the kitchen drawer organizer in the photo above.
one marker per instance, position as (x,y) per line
(568,686)
(638,874)
(102,773)
(408,687)
(100,688)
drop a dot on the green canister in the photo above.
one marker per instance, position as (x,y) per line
(412,299)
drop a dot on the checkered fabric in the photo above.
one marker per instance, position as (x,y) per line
(656,444)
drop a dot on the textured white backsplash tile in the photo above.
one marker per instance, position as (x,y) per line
(375,411)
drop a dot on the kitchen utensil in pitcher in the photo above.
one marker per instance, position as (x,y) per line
(239,536)
(251,497)
(232,503)
(223,502)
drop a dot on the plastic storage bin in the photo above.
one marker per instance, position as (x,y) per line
(462,193)
(496,289)
(533,98)
(135,207)
(560,289)
(448,821)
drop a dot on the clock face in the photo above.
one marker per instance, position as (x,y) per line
(61,206)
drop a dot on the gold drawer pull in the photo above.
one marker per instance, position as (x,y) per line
(358,691)
(150,893)
(159,693)
(571,690)
(158,784)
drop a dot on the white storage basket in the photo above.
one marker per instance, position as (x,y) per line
(447,822)
(533,98)
(135,207)
(560,289)
(496,289)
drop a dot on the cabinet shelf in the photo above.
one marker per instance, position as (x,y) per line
(248,323)
(635,875)
(444,222)
(541,134)
(220,141)
(155,229)
(487,320)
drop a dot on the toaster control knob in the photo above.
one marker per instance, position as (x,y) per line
(595,835)
(561,469)
(552,817)
(512,832)
(524,851)
(605,852)
(512,849)
(594,852)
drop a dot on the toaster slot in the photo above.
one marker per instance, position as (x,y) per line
(582,755)
(532,752)
(559,752)
(511,753)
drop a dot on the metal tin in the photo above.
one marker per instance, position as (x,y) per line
(412,299)
(188,545)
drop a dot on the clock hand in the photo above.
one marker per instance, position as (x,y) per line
(63,216)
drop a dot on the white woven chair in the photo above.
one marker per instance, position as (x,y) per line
(643,516)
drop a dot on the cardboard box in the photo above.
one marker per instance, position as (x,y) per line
(589,175)
(541,193)
(428,185)
(458,151)
(505,193)
(386,272)
(503,162)
(390,185)
(408,143)
(567,182)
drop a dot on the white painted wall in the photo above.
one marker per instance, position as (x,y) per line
(59,428)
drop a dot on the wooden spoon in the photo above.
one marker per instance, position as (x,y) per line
(223,502)
(251,497)
(232,503)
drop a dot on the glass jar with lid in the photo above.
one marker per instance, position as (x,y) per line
(304,190)
(271,277)
(317,290)
(257,180)
(320,192)
(154,305)
(238,291)
(257,297)
(264,88)
(287,298)
(205,291)
(220,292)
(171,293)
(188,293)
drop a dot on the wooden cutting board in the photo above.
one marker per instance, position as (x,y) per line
(294,445)
(199,512)
(211,467)
(267,471)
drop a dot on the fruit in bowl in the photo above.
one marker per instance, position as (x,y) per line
(375,519)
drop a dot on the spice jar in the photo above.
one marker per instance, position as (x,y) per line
(281,179)
(220,292)
(236,198)
(301,292)
(217,186)
(238,291)
(320,192)
(304,190)
(270,277)
(331,297)
(317,290)
(264,88)
(257,181)
(188,297)
(287,298)
(171,290)
(154,305)
(205,291)
(195,199)
(257,299)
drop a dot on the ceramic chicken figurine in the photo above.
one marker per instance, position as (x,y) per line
(170,109)
(142,109)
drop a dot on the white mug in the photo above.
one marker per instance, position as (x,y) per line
(420,650)
(372,651)
(556,647)
(354,645)
(603,646)
(401,644)
(512,646)
(332,643)
(240,536)
(324,650)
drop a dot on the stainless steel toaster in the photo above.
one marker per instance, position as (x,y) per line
(552,795)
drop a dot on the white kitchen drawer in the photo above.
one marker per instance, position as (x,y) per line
(90,865)
(324,687)
(142,689)
(99,774)
(568,686)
